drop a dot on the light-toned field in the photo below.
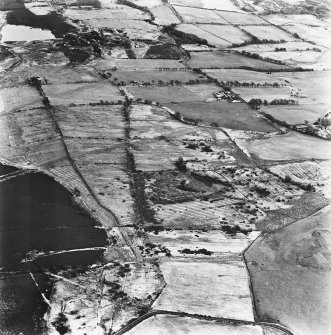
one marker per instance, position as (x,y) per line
(290,146)
(174,325)
(292,20)
(204,34)
(264,93)
(65,94)
(241,18)
(123,24)
(228,60)
(153,75)
(269,33)
(318,35)
(204,91)
(167,93)
(229,33)
(243,76)
(117,13)
(316,173)
(297,114)
(19,98)
(291,275)
(139,64)
(314,84)
(211,4)
(214,240)
(229,115)
(205,288)
(91,122)
(164,15)
(198,15)
(146,3)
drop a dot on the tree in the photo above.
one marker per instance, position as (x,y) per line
(181,164)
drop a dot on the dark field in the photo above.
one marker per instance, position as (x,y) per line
(229,115)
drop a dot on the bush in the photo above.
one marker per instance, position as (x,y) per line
(180,164)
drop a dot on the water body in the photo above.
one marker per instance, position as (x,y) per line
(52,23)
(23,33)
(36,213)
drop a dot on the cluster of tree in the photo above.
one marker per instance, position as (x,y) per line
(182,38)
(257,56)
(235,83)
(202,251)
(280,49)
(255,103)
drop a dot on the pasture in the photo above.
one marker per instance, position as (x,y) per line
(269,33)
(241,18)
(84,93)
(229,115)
(211,289)
(198,15)
(210,4)
(230,60)
(201,32)
(164,15)
(291,146)
(229,33)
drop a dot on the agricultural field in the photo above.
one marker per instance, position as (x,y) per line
(208,279)
(241,18)
(167,324)
(296,114)
(267,93)
(139,64)
(243,76)
(29,98)
(117,13)
(317,35)
(231,34)
(201,32)
(164,15)
(84,93)
(269,33)
(80,122)
(198,15)
(216,242)
(229,115)
(301,261)
(230,60)
(292,20)
(167,94)
(291,146)
(227,5)
(153,76)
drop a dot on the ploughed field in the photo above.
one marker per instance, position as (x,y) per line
(159,184)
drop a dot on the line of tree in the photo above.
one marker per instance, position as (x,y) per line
(235,83)
(255,103)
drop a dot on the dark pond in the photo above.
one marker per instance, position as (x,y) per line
(36,213)
(52,21)
(5,169)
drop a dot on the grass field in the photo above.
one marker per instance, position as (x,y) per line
(243,76)
(204,34)
(91,122)
(153,75)
(292,20)
(164,15)
(241,18)
(296,114)
(264,93)
(229,60)
(117,12)
(294,259)
(206,288)
(290,146)
(229,115)
(318,35)
(166,94)
(269,33)
(173,325)
(139,64)
(19,98)
(65,94)
(211,4)
(227,32)
(198,15)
